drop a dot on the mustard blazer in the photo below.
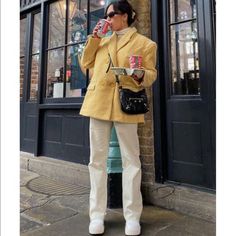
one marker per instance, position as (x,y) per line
(102,97)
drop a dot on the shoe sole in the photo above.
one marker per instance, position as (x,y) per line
(97,233)
(133,234)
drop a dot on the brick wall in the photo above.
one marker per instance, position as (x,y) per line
(145,131)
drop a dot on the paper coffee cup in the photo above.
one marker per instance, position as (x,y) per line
(104,28)
(135,61)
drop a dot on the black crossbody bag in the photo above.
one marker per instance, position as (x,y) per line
(131,102)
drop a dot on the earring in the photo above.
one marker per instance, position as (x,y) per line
(123,22)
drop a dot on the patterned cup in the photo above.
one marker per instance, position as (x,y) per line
(135,61)
(105,27)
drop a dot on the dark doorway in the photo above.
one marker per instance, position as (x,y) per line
(186,86)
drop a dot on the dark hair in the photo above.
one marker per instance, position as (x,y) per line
(123,6)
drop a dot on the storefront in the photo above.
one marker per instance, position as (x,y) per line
(178,139)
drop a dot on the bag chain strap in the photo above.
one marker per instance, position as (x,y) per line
(117,77)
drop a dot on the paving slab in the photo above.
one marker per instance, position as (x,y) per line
(189,226)
(78,203)
(27,224)
(29,199)
(73,226)
(26,176)
(50,212)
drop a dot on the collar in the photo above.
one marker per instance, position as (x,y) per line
(122,32)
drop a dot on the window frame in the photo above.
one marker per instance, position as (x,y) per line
(30,55)
(169,25)
(64,99)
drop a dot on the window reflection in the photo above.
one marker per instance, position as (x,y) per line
(55,74)
(96,12)
(184,52)
(22,74)
(22,53)
(36,33)
(182,10)
(34,77)
(65,77)
(22,36)
(75,78)
(77,21)
(57,16)
(35,58)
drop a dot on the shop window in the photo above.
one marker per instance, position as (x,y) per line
(68,29)
(184,47)
(67,35)
(34,76)
(27,3)
(22,53)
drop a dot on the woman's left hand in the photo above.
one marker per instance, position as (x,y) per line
(139,78)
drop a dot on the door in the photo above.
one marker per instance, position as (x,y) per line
(29,76)
(188,89)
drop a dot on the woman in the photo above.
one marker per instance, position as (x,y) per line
(102,105)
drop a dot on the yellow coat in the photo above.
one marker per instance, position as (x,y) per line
(102,97)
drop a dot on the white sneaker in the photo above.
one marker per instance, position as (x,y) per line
(132,228)
(96,226)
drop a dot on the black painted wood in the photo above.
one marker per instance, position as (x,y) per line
(28,108)
(64,136)
(186,152)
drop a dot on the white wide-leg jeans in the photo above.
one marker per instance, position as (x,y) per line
(100,132)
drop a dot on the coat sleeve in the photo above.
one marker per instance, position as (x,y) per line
(89,52)
(149,65)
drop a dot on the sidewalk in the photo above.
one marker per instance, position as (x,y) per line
(53,208)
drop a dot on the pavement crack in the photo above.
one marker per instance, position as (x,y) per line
(33,207)
(63,206)
(163,228)
(65,218)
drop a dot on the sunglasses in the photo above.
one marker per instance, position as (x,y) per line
(111,14)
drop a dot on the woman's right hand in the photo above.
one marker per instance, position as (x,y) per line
(95,30)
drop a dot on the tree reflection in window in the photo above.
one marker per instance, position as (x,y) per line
(68,28)
(65,78)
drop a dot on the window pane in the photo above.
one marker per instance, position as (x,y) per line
(36,33)
(55,73)
(96,12)
(182,10)
(184,59)
(75,78)
(57,15)
(34,77)
(22,73)
(77,22)
(22,36)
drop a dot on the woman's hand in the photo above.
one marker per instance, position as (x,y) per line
(95,30)
(139,78)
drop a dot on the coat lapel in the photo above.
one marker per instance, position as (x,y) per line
(112,48)
(125,38)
